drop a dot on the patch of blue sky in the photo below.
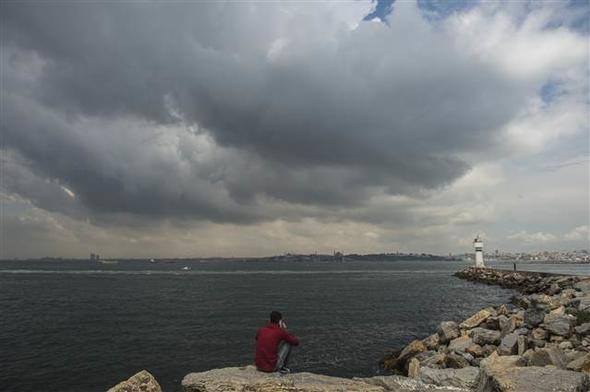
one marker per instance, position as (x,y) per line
(581,21)
(435,10)
(551,91)
(382,9)
(575,15)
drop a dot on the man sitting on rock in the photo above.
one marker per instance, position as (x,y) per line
(273,345)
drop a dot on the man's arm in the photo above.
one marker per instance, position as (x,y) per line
(289,338)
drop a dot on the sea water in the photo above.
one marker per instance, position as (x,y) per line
(76,326)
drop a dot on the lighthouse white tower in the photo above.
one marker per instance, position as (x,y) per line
(478,245)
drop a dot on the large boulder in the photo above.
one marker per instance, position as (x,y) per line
(447,331)
(402,384)
(460,344)
(504,374)
(583,329)
(140,382)
(432,342)
(484,336)
(477,318)
(459,378)
(415,347)
(248,379)
(539,334)
(239,379)
(436,360)
(583,285)
(550,355)
(456,361)
(559,324)
(533,317)
(584,304)
(581,364)
(509,344)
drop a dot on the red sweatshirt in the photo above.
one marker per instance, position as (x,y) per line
(268,339)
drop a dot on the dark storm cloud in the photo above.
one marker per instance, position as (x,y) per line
(298,108)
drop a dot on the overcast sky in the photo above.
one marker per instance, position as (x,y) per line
(150,129)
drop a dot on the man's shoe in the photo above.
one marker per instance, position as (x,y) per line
(284,370)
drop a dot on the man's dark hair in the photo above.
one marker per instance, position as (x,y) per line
(275,317)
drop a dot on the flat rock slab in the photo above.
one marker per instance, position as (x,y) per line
(476,319)
(242,379)
(461,378)
(506,374)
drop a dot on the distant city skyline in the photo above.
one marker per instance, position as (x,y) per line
(203,129)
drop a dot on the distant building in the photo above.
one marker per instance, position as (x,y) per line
(478,245)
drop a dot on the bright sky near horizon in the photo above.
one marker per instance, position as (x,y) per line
(153,129)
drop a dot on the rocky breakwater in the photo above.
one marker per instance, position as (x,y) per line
(540,341)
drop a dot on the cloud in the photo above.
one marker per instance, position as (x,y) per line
(533,237)
(249,114)
(580,233)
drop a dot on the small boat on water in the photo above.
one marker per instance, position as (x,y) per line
(152,261)
(186,268)
(108,261)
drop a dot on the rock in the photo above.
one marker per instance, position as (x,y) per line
(547,356)
(502,374)
(436,360)
(456,361)
(415,347)
(484,336)
(565,345)
(505,309)
(554,289)
(460,344)
(476,319)
(413,368)
(542,299)
(539,333)
(459,378)
(140,382)
(533,317)
(584,304)
(521,301)
(509,326)
(583,285)
(447,331)
(239,379)
(502,321)
(475,349)
(583,330)
(431,342)
(395,384)
(572,355)
(522,344)
(581,364)
(508,345)
(556,339)
(559,324)
(559,310)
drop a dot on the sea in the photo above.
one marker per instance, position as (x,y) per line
(82,326)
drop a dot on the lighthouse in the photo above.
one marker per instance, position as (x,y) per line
(478,245)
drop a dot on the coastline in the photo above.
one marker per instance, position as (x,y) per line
(539,341)
(542,334)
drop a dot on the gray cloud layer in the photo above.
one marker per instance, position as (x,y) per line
(240,112)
